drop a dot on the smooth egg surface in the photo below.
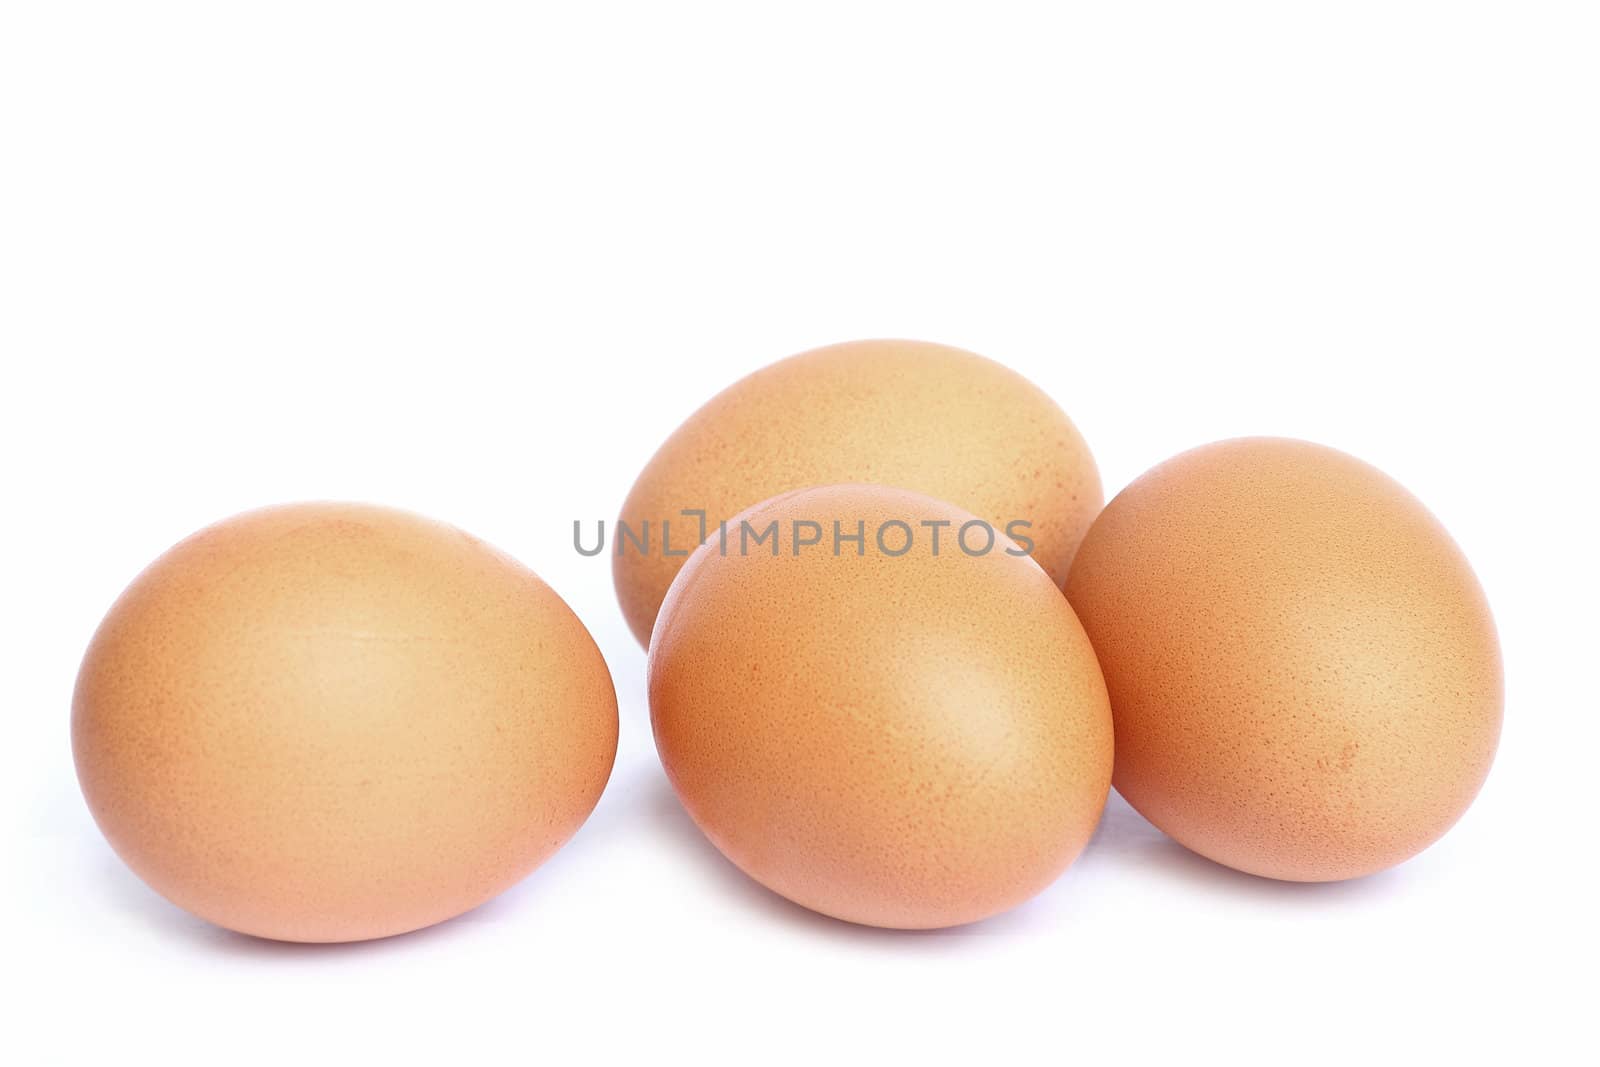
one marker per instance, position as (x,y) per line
(879,731)
(1303,670)
(333,722)
(911,414)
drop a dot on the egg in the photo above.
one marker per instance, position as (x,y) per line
(333,722)
(1304,673)
(920,416)
(880,711)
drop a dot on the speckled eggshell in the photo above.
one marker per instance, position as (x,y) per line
(331,722)
(1303,670)
(914,741)
(921,416)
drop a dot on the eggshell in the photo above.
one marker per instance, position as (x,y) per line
(920,416)
(1303,670)
(331,722)
(914,740)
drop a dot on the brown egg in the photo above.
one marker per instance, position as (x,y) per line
(911,414)
(331,722)
(910,739)
(1303,670)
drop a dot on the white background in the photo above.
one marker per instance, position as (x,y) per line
(477,260)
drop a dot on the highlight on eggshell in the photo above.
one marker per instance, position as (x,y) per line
(877,724)
(1303,671)
(333,722)
(910,414)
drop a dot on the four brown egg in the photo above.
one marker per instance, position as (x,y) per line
(335,722)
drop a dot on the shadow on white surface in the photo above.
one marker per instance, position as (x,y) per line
(1124,840)
(1124,847)
(669,818)
(1128,840)
(126,892)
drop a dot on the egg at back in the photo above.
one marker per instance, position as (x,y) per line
(910,414)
